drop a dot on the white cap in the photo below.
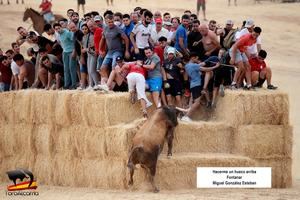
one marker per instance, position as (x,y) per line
(229,21)
(171,50)
(168,23)
(98,18)
(249,23)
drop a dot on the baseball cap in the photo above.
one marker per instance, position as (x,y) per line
(168,23)
(98,18)
(31,34)
(249,23)
(171,50)
(158,20)
(119,58)
(229,22)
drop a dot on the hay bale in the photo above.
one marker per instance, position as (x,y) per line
(180,171)
(43,105)
(254,107)
(202,137)
(62,109)
(263,141)
(281,171)
(7,100)
(21,107)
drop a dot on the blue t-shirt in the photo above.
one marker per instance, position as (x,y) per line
(180,33)
(67,40)
(193,71)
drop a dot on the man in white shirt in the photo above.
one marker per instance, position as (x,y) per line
(140,36)
(158,31)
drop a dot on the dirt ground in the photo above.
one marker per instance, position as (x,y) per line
(281,29)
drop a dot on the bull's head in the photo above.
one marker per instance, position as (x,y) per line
(172,113)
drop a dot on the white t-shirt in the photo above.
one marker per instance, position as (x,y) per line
(156,35)
(14,68)
(252,49)
(142,35)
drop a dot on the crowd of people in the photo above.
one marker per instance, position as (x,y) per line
(179,60)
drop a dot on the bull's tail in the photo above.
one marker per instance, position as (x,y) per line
(132,161)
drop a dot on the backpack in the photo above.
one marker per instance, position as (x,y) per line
(229,39)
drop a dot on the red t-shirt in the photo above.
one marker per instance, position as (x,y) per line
(5,73)
(97,37)
(137,69)
(160,52)
(257,65)
(245,41)
(46,6)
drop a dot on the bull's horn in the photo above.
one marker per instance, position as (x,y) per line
(182,109)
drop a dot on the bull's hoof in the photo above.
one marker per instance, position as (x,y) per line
(130,182)
(156,190)
(169,155)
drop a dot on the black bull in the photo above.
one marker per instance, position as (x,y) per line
(149,141)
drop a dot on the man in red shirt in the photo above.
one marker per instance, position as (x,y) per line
(239,57)
(46,6)
(260,72)
(5,73)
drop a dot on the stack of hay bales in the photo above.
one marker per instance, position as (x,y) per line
(80,139)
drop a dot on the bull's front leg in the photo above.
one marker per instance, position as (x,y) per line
(131,171)
(152,175)
(170,137)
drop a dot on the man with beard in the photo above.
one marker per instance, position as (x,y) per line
(140,35)
(193,39)
(75,19)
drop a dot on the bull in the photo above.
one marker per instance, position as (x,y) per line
(149,141)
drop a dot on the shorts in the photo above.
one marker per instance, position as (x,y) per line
(110,59)
(223,74)
(80,2)
(201,4)
(175,88)
(196,92)
(121,88)
(240,57)
(155,84)
(83,69)
(99,62)
(140,56)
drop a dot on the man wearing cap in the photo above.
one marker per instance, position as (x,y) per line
(158,31)
(99,21)
(117,78)
(112,37)
(171,76)
(225,31)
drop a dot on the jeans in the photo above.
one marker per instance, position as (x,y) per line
(70,70)
(91,67)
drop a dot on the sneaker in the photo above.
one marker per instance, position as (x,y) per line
(79,88)
(148,104)
(272,87)
(90,88)
(102,87)
(234,87)
(186,119)
(222,91)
